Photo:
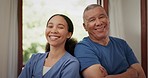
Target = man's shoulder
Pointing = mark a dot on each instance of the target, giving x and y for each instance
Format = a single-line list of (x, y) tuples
[(85, 40), (116, 39), (83, 46), (85, 43)]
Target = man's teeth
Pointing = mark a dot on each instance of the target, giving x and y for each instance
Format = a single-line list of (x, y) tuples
[(99, 28)]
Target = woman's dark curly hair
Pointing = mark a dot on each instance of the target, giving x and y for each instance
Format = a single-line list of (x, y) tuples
[(70, 42)]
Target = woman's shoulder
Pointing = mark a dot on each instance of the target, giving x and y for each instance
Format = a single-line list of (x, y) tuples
[(70, 58), (38, 56)]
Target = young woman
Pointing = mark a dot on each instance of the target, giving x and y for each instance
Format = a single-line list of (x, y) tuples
[(57, 62)]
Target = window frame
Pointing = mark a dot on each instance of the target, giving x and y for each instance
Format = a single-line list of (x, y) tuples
[(20, 50)]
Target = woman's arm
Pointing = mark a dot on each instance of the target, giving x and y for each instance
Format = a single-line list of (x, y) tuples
[(71, 70)]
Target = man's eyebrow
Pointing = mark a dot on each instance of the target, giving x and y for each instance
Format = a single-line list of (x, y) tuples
[(103, 15), (90, 18)]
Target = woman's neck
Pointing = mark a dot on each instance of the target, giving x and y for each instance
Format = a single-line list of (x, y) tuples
[(53, 56), (56, 52)]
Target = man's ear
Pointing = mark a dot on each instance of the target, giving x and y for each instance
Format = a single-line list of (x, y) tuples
[(84, 26)]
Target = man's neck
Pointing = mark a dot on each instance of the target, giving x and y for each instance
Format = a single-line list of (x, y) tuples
[(103, 41)]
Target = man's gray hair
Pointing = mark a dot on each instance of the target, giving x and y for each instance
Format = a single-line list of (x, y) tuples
[(91, 7)]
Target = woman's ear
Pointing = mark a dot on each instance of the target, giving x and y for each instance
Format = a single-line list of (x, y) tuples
[(69, 35)]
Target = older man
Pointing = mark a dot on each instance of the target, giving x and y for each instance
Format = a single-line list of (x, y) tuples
[(103, 56)]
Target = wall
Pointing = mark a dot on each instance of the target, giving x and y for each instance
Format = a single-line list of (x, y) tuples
[(4, 14), (8, 38), (125, 22), (132, 25)]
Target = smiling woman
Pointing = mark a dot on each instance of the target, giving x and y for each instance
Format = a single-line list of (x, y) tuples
[(36, 13), (57, 61)]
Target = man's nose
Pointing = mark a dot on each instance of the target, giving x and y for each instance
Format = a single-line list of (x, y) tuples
[(98, 22)]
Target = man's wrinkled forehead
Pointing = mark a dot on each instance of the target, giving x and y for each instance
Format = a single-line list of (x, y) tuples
[(92, 6), (94, 11)]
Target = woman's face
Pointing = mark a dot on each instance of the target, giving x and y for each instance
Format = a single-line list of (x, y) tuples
[(57, 31)]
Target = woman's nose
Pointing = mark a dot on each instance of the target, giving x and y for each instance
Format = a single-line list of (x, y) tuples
[(54, 30)]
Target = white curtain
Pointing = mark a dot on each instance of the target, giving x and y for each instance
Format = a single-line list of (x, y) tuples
[(115, 15), (13, 40), (8, 38), (125, 22)]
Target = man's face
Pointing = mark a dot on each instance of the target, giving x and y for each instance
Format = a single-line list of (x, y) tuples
[(96, 22)]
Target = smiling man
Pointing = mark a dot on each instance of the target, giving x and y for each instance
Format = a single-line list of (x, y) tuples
[(103, 56)]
